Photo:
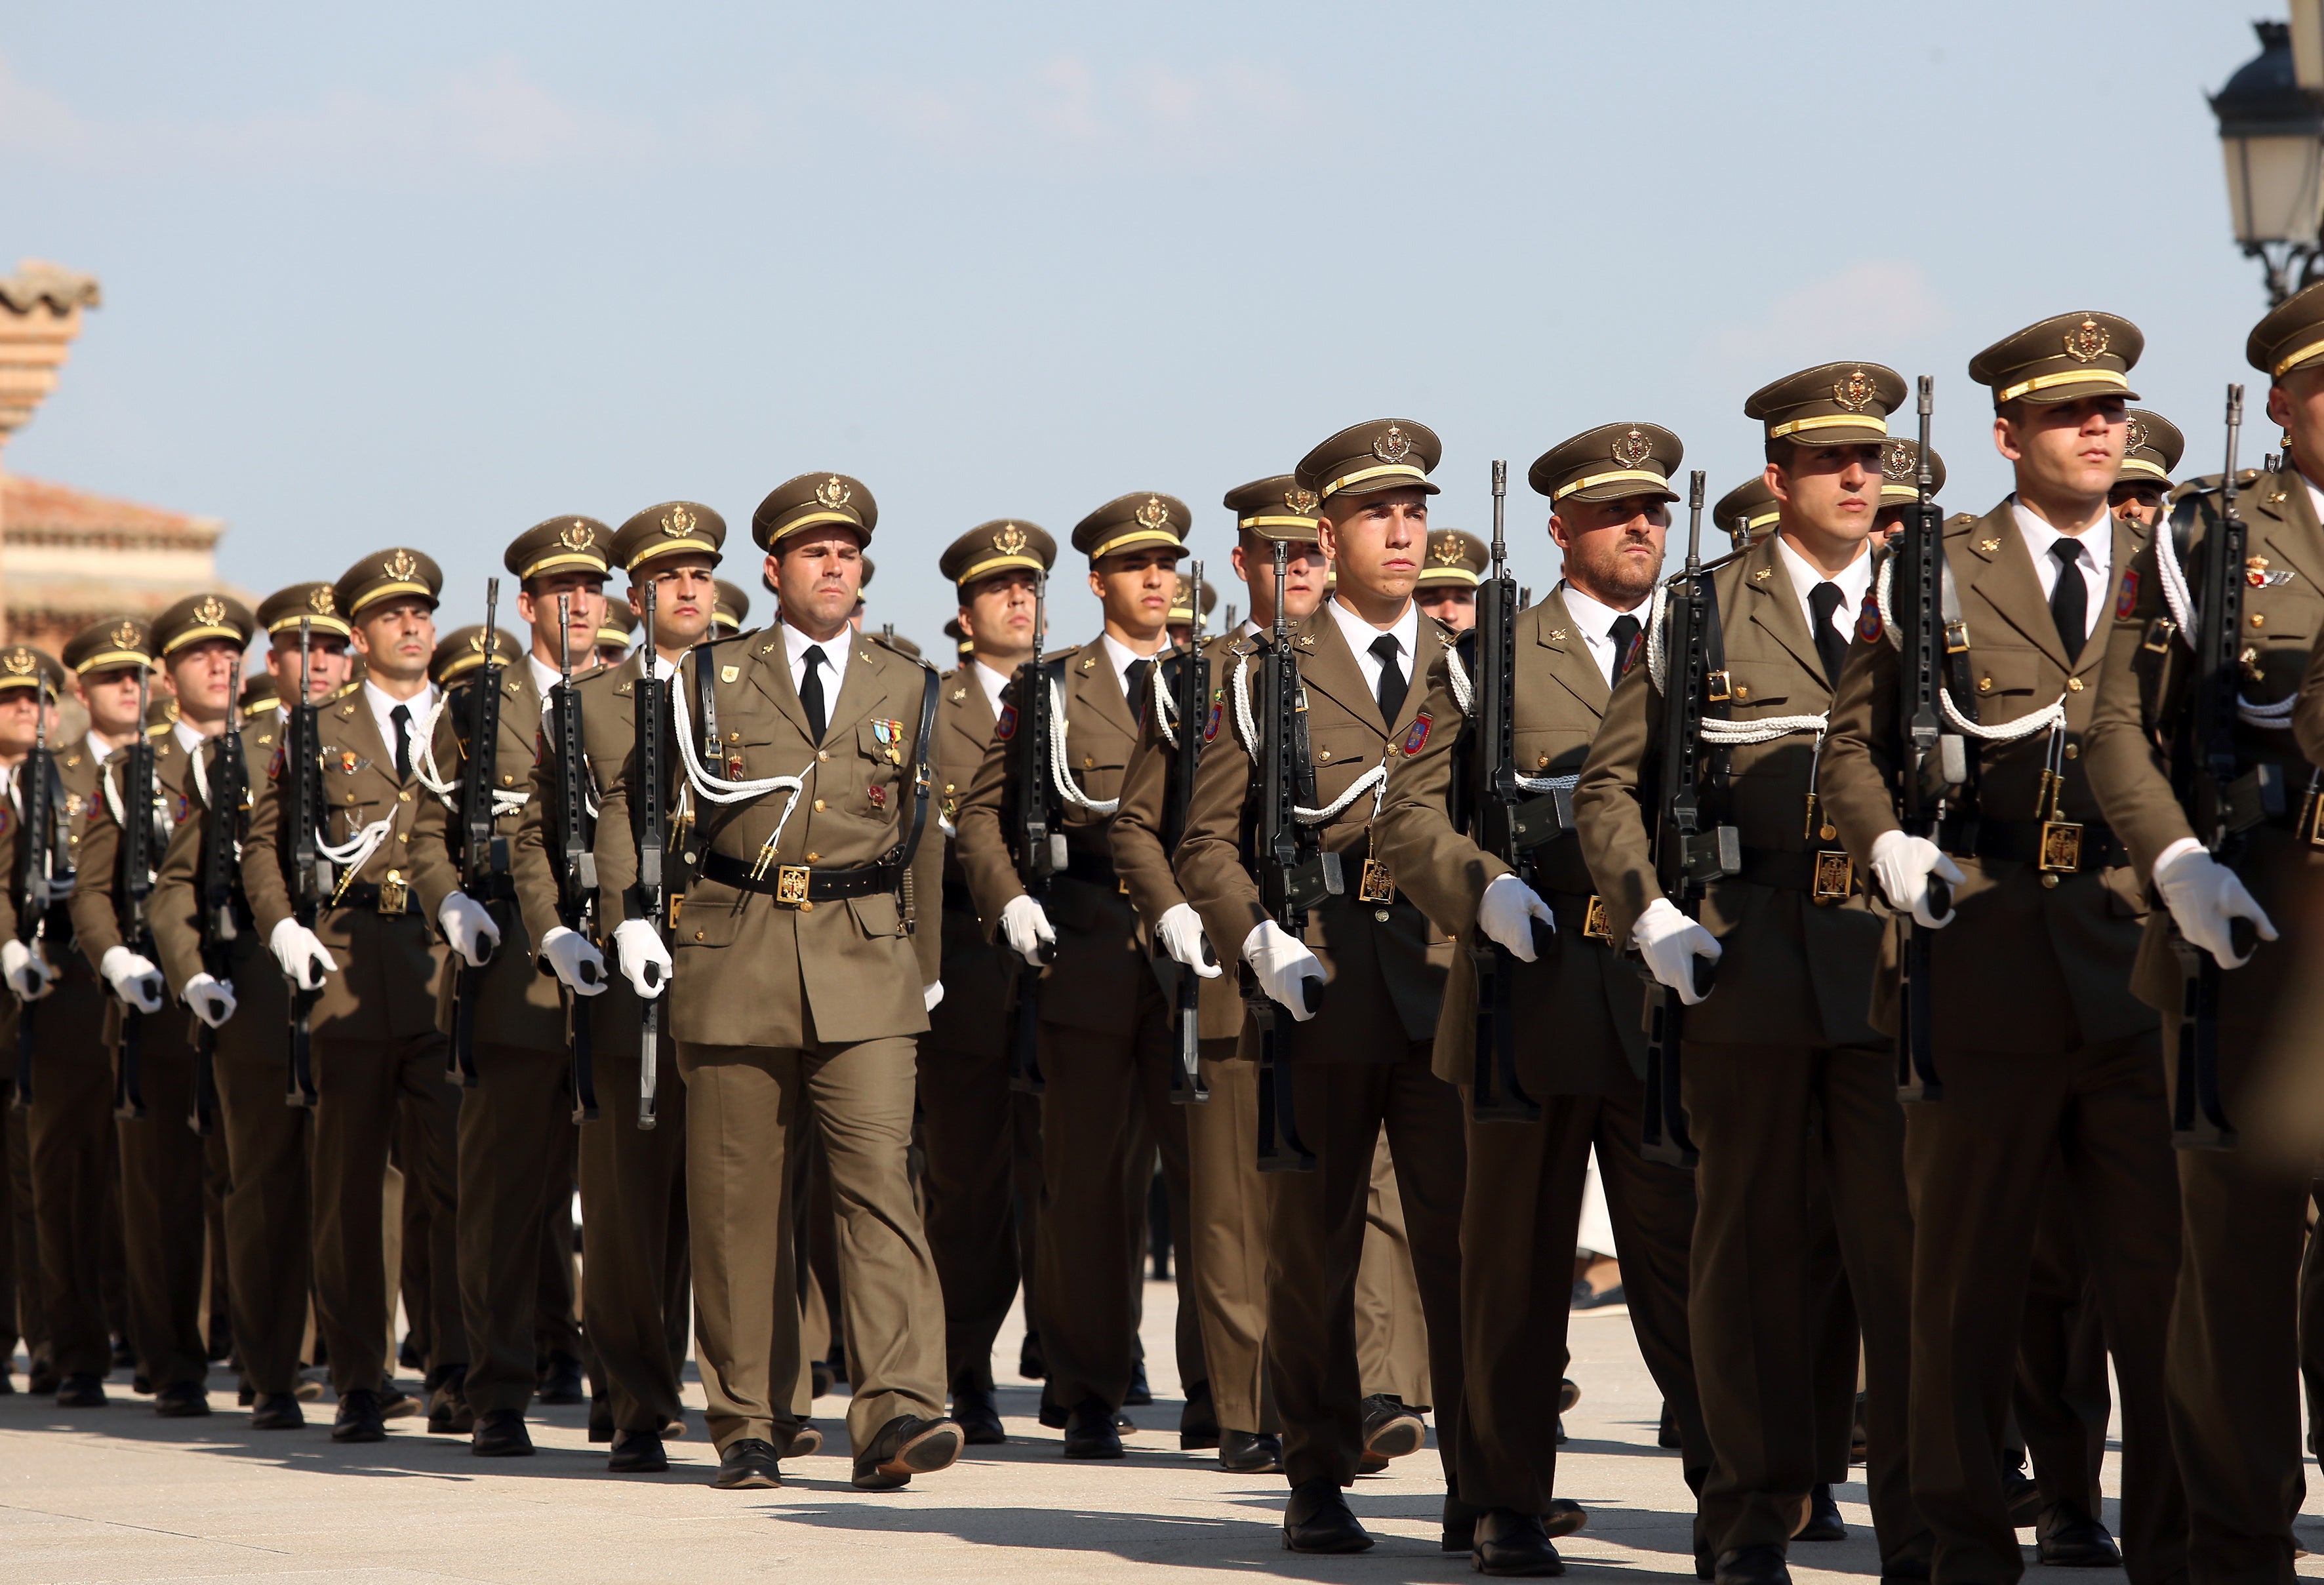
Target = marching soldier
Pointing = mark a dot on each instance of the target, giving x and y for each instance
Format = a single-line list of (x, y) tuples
[(2150, 451), (2233, 1340), (733, 608), (1104, 1025), (983, 1202), (1181, 626), (633, 1179), (1788, 1090), (269, 1258), (1447, 587), (516, 1116), (807, 748), (1361, 1062), (2046, 1066), (616, 631), (1582, 1050), (22, 706), (1900, 489), (375, 966), (1748, 511)]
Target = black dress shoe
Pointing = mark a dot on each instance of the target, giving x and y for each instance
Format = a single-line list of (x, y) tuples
[(1511, 1543), (1317, 1519), (1390, 1430), (244, 1394), (1250, 1453), (500, 1433), (979, 1421), (1568, 1394), (181, 1400), (1667, 1433), (449, 1414), (748, 1465), (1032, 1362), (407, 1353), (42, 1380), (807, 1439), (1460, 1528), (395, 1404), (1089, 1432), (1139, 1395), (1706, 1567), (141, 1384), (601, 1419), (2021, 1494), (357, 1419), (637, 1453), (1752, 1565), (2068, 1538), (277, 1411), (80, 1390), (123, 1356), (1823, 1520), (561, 1383), (1564, 1516), (1198, 1421), (906, 1446)]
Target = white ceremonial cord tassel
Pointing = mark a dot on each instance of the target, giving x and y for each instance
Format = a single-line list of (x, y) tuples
[(350, 855), (1060, 773), (1457, 674), (1165, 708), (1374, 780), (717, 789), (424, 769)]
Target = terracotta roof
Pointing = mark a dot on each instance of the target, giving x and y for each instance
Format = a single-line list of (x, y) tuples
[(36, 281), (32, 507)]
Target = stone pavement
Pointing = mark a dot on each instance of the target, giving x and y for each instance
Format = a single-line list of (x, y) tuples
[(116, 1495)]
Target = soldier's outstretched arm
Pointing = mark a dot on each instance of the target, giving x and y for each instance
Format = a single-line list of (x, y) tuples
[(94, 928), (2127, 770)]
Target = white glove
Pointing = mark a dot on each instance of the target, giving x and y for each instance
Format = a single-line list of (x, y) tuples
[(644, 959), (1506, 911), (1027, 928), (1180, 931), (1670, 942), (468, 927), (304, 958), (211, 999), (579, 966), (2203, 896), (1902, 864), (27, 972), (1281, 961), (930, 995), (133, 978)]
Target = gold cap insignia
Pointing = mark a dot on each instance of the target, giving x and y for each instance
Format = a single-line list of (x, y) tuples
[(832, 493), (1896, 460), (320, 602), (1632, 450), (1009, 541), (2086, 341), (210, 612), (1182, 592), (19, 663), (400, 566), (1154, 515), (478, 643), (1856, 392), (579, 536), (679, 524), (1302, 501), (1447, 551), (1393, 446), (126, 635), (2136, 437)]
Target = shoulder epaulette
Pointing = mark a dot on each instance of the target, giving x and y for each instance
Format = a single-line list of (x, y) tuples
[(1961, 522)]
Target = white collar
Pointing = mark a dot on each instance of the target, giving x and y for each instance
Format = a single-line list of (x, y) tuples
[(1591, 615), (2096, 540), (188, 738), (1361, 635), (1121, 658)]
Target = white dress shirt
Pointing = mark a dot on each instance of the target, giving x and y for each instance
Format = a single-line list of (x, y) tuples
[(1595, 621), (2095, 545), (833, 671), (1854, 579), (383, 706), (1361, 635), (991, 681), (100, 751), (188, 738), (2315, 496), (1122, 657)]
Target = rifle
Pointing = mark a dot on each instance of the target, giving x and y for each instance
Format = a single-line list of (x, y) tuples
[(133, 885), (39, 883), (2222, 804), (1688, 857), (219, 882), (1295, 874), (1495, 1094), (650, 823), (1935, 762), (306, 870), (577, 867), (1039, 847), (1189, 688), (484, 856)]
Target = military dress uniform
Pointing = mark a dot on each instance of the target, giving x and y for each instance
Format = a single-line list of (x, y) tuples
[(982, 1203), (1361, 1063), (634, 1302), (269, 1256), (1582, 1046), (2233, 1346), (1789, 1092), (378, 1055), (1104, 1035)]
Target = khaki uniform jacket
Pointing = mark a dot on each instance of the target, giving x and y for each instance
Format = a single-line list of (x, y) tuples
[(517, 1004), (2145, 692), (1386, 964), (2023, 966), (1100, 955), (95, 926), (175, 908), (752, 972), (972, 1017), (1795, 972), (1137, 837), (390, 969), (77, 770), (1583, 1002)]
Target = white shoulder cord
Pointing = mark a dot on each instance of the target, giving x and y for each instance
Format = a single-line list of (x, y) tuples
[(1465, 697), (114, 806), (1058, 761), (1374, 780), (2052, 717), (2274, 717), (1165, 708), (423, 767), (717, 789), (1760, 729)]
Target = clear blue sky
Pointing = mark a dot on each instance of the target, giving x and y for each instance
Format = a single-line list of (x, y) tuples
[(433, 272)]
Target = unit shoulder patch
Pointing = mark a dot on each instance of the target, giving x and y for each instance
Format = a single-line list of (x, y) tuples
[(1415, 735)]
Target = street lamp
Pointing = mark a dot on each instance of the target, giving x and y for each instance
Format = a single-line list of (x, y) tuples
[(2272, 132)]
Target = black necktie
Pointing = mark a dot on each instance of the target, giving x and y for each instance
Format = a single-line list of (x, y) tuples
[(1133, 685), (402, 716), (2070, 600), (1823, 601), (1625, 634), (1391, 678), (811, 690)]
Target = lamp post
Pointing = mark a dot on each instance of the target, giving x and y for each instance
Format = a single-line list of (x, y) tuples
[(2272, 132)]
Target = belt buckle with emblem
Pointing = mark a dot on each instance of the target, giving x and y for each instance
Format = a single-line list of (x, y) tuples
[(393, 892), (1377, 886), (791, 884), (2062, 848), (1595, 926), (1835, 876), (2312, 818)]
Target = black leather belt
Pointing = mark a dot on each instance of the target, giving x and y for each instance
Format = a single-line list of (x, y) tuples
[(500, 887), (1091, 869), (367, 895), (2048, 844), (1589, 909), (791, 884), (1827, 876)]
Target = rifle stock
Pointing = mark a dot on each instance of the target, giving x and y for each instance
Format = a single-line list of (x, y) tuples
[(217, 881), (576, 865), (1040, 846), (308, 872), (1495, 1094), (1188, 688), (1934, 763), (133, 885), (483, 855)]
